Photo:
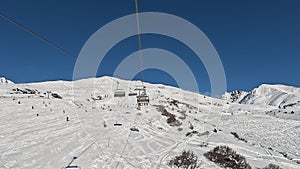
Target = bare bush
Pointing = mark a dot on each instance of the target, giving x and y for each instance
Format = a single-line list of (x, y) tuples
[(227, 158), (186, 160), (272, 166), (172, 121)]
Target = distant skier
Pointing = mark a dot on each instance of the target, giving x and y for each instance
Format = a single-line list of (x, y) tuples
[(67, 119)]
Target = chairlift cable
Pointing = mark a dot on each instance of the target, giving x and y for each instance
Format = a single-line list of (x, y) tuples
[(140, 98), (139, 39), (50, 43)]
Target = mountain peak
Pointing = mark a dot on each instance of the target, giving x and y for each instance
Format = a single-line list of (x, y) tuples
[(267, 94)]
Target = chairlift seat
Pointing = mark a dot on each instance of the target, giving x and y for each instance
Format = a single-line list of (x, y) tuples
[(119, 93), (132, 94), (143, 98)]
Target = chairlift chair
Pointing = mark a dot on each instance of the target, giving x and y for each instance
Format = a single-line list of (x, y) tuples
[(132, 94), (119, 92), (143, 100), (142, 97)]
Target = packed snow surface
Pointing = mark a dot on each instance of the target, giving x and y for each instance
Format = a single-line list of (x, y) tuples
[(45, 125)]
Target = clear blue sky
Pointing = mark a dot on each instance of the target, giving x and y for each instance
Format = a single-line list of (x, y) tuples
[(258, 41)]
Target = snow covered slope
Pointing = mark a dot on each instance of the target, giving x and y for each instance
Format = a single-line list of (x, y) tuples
[(5, 81), (45, 125), (273, 95), (235, 97)]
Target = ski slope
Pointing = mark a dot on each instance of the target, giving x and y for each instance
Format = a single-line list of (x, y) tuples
[(35, 133)]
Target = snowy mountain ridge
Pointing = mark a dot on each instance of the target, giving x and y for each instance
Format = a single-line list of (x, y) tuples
[(47, 125), (281, 96), (3, 80)]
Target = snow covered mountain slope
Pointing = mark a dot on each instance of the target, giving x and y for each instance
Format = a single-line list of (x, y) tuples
[(45, 125), (5, 81), (273, 95), (235, 97)]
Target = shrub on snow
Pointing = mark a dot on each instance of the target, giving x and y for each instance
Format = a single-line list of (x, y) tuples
[(227, 158)]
